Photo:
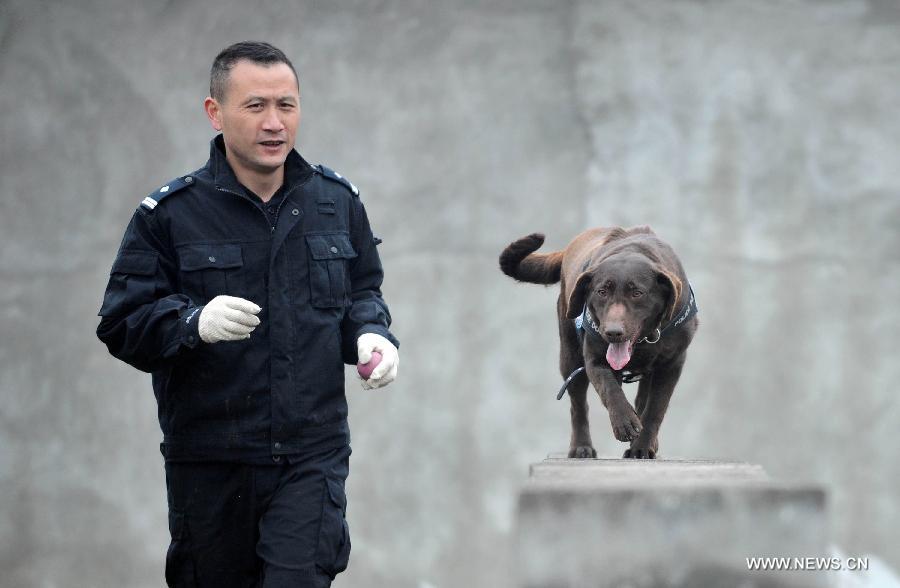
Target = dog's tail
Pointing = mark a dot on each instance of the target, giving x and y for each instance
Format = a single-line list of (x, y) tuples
[(519, 261)]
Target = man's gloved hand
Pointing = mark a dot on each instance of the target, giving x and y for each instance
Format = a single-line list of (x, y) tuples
[(385, 372), (227, 318)]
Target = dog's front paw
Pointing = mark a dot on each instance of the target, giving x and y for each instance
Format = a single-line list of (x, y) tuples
[(625, 424), (582, 452), (639, 453), (642, 448)]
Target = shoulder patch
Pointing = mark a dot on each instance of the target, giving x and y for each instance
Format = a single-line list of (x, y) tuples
[(151, 201), (336, 177)]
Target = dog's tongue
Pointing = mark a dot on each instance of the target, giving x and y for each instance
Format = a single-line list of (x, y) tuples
[(618, 354)]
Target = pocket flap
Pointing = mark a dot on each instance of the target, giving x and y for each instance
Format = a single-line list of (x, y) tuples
[(331, 246), (199, 257), (138, 263), (336, 493)]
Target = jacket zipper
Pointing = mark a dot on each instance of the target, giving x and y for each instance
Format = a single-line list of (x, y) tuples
[(242, 197), (277, 210)]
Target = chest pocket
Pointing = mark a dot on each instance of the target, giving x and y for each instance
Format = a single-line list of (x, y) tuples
[(210, 270), (329, 280)]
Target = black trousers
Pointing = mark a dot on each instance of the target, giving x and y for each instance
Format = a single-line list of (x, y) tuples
[(264, 526)]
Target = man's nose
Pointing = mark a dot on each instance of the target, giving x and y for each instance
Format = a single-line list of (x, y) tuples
[(272, 122)]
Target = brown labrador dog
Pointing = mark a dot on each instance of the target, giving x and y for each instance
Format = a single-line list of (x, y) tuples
[(626, 312)]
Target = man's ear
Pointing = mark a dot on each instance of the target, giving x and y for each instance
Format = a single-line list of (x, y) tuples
[(577, 295), (672, 285), (213, 112)]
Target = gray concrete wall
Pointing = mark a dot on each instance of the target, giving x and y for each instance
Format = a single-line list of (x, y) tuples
[(759, 138)]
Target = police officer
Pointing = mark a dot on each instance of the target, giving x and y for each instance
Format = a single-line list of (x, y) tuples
[(244, 287)]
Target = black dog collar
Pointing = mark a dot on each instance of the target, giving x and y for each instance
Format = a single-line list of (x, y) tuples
[(690, 309), (687, 311)]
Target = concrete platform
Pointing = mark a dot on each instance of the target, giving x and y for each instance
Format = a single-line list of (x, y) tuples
[(654, 523), (559, 470)]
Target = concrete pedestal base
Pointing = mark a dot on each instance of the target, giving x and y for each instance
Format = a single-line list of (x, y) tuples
[(663, 523)]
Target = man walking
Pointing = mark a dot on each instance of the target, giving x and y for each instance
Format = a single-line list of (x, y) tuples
[(244, 287)]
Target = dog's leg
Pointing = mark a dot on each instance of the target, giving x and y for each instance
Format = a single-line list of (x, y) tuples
[(625, 423), (640, 400), (637, 449), (657, 392), (570, 359), (580, 444)]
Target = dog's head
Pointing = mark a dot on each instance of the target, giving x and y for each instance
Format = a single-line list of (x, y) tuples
[(629, 296)]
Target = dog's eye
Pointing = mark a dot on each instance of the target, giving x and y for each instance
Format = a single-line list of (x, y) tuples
[(602, 291), (636, 294)]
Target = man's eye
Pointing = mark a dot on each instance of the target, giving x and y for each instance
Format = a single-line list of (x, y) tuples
[(256, 106)]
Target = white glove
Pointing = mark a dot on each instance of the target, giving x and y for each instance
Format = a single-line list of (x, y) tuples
[(385, 372), (227, 318)]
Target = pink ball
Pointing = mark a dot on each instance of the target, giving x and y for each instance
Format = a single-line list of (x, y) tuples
[(365, 369)]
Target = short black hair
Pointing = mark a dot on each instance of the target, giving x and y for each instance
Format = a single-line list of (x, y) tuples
[(255, 51)]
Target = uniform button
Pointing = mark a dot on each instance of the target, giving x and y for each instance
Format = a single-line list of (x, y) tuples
[(271, 210), (277, 445), (212, 259), (334, 250), (295, 212), (188, 179), (191, 339)]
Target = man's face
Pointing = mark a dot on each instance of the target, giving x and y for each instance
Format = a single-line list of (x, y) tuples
[(258, 116)]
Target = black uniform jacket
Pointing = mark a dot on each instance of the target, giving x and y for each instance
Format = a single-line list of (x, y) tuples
[(315, 273)]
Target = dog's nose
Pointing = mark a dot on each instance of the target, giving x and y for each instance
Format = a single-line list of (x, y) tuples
[(614, 333)]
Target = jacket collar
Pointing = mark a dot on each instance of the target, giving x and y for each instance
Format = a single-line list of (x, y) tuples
[(296, 169)]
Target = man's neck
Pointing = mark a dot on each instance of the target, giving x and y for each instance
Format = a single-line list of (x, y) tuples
[(263, 185)]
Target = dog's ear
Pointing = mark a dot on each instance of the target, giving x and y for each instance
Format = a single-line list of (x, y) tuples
[(577, 295), (672, 285)]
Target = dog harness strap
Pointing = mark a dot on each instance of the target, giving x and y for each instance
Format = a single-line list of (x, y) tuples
[(627, 377), (690, 309), (631, 377), (586, 319)]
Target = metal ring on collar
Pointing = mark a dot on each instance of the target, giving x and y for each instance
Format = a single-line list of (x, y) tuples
[(646, 340)]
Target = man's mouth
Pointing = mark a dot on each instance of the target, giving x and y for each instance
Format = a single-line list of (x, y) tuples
[(271, 143)]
